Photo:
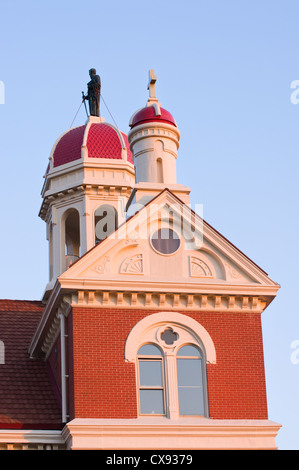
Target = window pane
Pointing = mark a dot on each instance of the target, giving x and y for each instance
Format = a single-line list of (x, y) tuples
[(151, 402), (189, 350), (190, 386), (149, 350), (191, 401), (166, 241), (189, 372), (150, 373)]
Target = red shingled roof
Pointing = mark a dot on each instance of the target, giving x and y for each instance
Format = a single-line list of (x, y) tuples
[(149, 114), (27, 397), (68, 149), (103, 141)]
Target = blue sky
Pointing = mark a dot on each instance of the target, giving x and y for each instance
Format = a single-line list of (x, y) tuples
[(224, 71)]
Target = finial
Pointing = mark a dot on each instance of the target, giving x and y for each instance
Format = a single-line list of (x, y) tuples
[(151, 86)]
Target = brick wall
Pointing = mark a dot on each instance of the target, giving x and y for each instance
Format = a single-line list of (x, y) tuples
[(104, 384)]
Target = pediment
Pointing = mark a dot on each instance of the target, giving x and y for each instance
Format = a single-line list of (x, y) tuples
[(198, 260)]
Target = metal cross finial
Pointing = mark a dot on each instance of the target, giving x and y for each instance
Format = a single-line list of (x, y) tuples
[(151, 84)]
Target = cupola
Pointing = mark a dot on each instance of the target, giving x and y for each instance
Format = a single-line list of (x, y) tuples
[(89, 179), (154, 142)]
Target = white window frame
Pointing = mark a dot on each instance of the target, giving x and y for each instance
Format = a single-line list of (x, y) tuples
[(200, 357), (148, 357), (189, 331)]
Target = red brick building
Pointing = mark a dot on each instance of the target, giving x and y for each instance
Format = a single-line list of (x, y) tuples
[(149, 332)]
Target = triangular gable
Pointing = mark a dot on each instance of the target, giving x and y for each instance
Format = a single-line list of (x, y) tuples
[(204, 261)]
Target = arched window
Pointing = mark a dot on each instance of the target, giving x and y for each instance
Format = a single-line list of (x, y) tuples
[(159, 152), (170, 351), (190, 381), (160, 178), (151, 380), (72, 237), (105, 221)]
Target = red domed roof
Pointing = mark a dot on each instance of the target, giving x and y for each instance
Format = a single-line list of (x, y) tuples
[(151, 114), (102, 141)]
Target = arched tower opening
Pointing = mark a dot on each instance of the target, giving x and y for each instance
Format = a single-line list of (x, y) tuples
[(72, 237)]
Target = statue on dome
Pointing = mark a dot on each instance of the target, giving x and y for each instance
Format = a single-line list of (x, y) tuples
[(93, 93)]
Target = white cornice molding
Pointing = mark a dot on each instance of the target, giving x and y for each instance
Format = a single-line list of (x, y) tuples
[(141, 131), (90, 162), (171, 288), (121, 188), (168, 301), (162, 433)]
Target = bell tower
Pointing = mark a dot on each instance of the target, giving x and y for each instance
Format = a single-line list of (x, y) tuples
[(87, 184), (154, 141)]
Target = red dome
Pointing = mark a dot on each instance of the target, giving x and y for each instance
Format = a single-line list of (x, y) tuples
[(103, 141), (150, 114)]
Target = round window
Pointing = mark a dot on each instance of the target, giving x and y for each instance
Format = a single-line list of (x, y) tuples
[(166, 241)]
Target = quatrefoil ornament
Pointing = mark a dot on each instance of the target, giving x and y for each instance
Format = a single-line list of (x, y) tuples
[(169, 336)]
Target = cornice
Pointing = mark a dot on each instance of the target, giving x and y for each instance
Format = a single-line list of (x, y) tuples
[(160, 129), (163, 433), (171, 288), (88, 162), (80, 190), (63, 299), (168, 301)]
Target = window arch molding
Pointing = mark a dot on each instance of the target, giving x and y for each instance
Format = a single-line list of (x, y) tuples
[(150, 328), (170, 332)]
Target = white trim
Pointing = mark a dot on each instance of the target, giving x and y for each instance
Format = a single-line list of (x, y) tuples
[(133, 115), (63, 368), (188, 331), (12, 436), (162, 433), (156, 320), (138, 132), (195, 288), (180, 238), (149, 433)]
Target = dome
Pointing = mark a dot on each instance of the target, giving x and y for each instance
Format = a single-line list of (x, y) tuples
[(152, 113), (101, 140)]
